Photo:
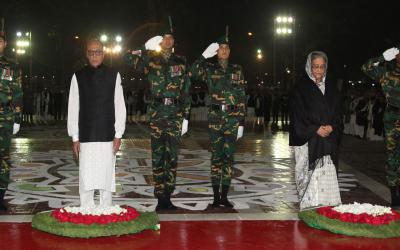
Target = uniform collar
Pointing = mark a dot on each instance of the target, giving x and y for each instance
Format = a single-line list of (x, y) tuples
[(166, 55), (219, 67)]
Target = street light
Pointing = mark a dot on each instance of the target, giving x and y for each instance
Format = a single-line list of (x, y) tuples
[(24, 41), (20, 51), (284, 27), (103, 38), (117, 49), (259, 54), (284, 19), (283, 31), (111, 46)]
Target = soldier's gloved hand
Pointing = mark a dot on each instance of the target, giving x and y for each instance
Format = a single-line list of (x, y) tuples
[(153, 42), (16, 128), (240, 132), (211, 50), (185, 125), (390, 54)]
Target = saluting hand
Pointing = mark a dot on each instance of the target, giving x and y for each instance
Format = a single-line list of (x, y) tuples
[(390, 54), (211, 50), (153, 42)]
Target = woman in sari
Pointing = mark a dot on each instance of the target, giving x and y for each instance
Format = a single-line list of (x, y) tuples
[(315, 120)]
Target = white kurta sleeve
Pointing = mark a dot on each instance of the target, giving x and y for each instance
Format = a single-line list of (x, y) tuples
[(73, 110), (120, 110)]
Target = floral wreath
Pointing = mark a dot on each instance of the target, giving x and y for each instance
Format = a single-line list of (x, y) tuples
[(95, 222), (365, 220)]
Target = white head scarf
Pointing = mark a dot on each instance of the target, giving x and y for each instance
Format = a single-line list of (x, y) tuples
[(311, 57)]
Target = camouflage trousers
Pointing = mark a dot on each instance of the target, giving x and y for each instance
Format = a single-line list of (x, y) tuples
[(5, 141), (392, 143), (223, 145), (164, 153)]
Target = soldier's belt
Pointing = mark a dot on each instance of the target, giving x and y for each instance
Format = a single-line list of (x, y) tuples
[(166, 101), (224, 107), (392, 108)]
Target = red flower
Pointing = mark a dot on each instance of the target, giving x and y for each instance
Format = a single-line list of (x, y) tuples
[(358, 218), (79, 218)]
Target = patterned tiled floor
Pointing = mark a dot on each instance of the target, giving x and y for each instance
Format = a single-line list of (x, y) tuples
[(46, 175)]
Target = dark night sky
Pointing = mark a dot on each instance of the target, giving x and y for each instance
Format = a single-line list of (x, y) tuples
[(349, 31)]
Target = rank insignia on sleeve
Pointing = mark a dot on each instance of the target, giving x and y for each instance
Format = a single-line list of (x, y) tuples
[(235, 77)]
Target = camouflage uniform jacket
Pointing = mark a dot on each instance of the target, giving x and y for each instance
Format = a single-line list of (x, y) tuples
[(10, 92)]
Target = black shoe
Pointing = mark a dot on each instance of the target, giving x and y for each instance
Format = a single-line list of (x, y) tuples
[(224, 197), (395, 195), (226, 203), (169, 204), (217, 197), (3, 207), (161, 204)]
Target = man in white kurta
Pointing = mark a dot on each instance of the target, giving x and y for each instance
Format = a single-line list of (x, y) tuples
[(96, 123)]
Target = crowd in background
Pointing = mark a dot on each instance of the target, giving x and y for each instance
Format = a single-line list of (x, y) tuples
[(363, 114), (362, 110)]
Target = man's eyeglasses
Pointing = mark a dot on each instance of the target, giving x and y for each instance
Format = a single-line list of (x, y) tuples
[(95, 52), (323, 66)]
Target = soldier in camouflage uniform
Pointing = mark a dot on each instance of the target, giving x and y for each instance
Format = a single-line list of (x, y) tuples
[(167, 74), (389, 79), (226, 87), (10, 113)]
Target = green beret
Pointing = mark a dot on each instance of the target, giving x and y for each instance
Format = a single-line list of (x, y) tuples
[(166, 30), (223, 40)]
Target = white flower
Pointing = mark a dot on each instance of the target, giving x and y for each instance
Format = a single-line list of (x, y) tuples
[(357, 208), (116, 209)]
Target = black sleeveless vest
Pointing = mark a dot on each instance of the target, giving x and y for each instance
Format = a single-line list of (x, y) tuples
[(96, 103)]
